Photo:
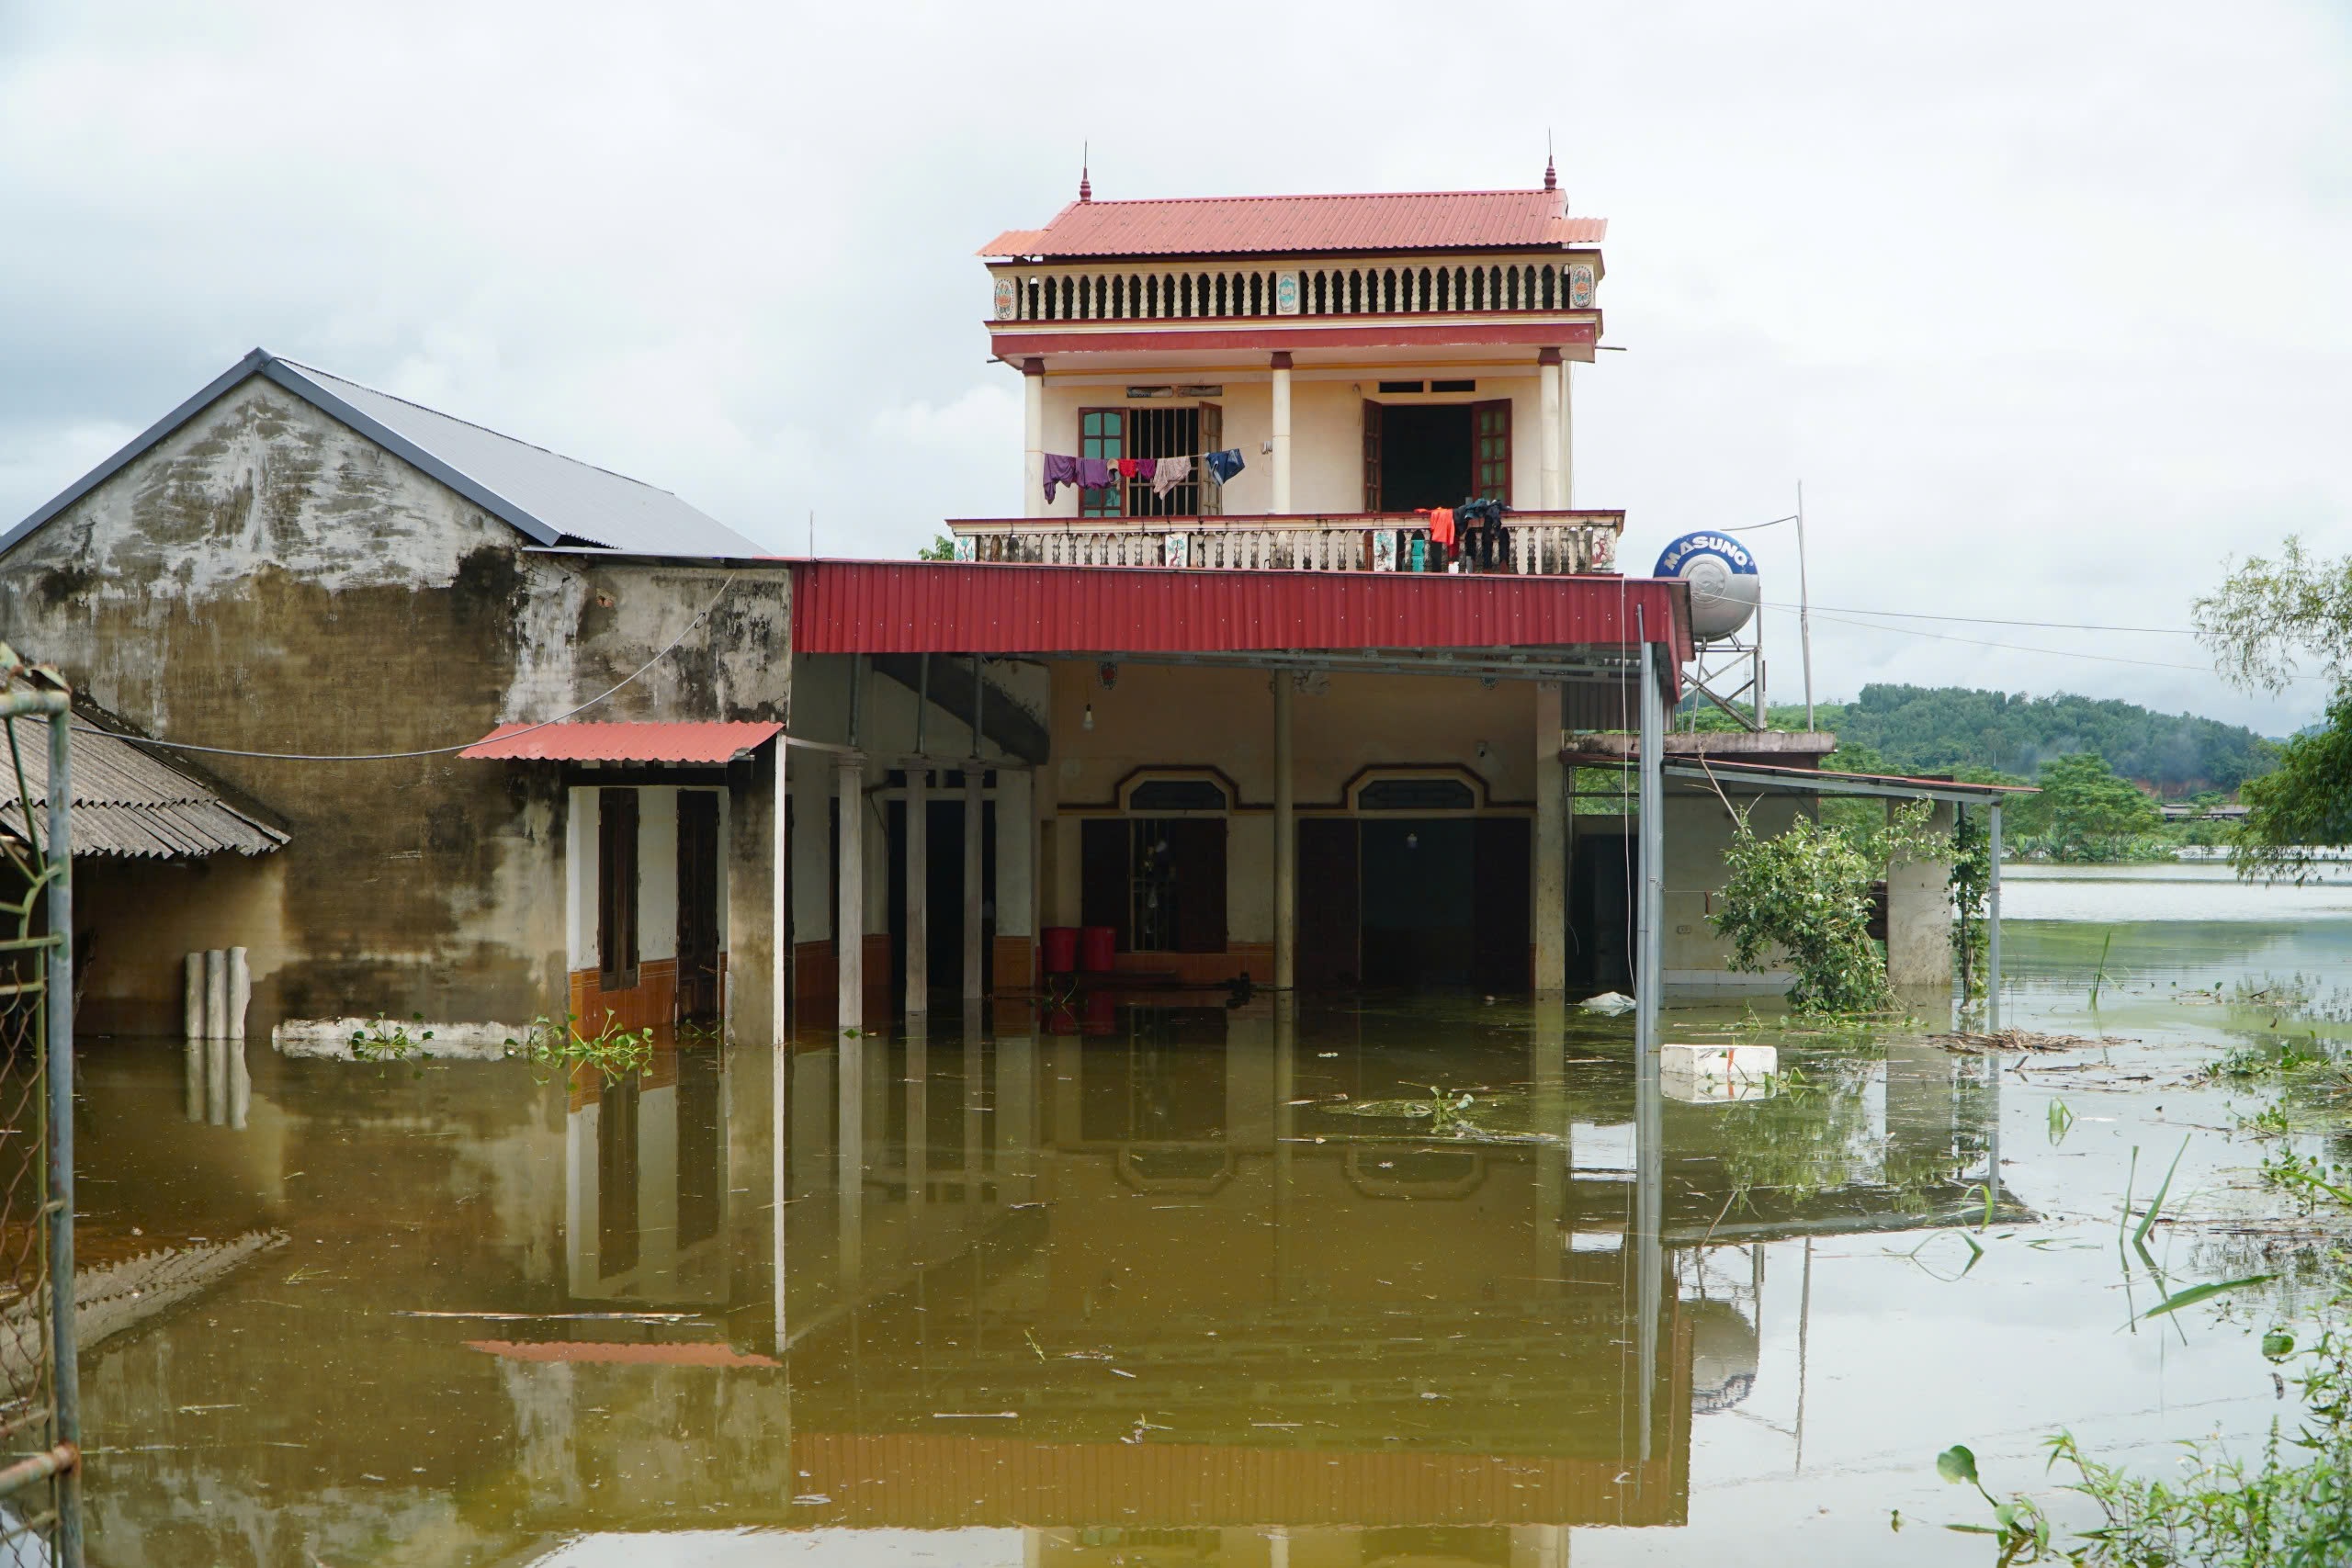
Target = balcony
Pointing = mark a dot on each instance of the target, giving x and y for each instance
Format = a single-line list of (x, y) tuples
[(1390, 285), (1541, 544)]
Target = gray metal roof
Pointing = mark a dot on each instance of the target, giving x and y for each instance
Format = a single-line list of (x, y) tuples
[(125, 801), (553, 499)]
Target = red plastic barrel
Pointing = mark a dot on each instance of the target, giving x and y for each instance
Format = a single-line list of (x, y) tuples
[(1096, 946), (1061, 949), (1102, 1013)]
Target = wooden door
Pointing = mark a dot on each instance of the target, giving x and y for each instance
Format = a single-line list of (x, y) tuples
[(1501, 897), (1371, 456), (1211, 440), (1102, 874), (1329, 904), (617, 889), (1196, 848), (697, 904), (1490, 449)]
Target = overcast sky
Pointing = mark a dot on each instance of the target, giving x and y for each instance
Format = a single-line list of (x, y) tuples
[(2046, 305)]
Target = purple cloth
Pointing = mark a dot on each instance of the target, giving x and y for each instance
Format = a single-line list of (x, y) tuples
[(1059, 471), (1097, 473)]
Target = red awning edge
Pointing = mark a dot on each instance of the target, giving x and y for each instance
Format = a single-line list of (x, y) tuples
[(710, 741)]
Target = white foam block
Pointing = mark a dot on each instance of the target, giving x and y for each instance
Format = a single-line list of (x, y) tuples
[(1738, 1063)]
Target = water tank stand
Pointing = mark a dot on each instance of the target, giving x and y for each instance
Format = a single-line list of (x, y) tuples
[(1730, 674)]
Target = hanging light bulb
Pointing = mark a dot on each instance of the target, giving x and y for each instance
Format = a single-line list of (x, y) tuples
[(1088, 722), (1412, 841)]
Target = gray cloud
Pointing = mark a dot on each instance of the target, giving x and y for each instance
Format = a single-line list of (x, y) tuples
[(2039, 301)]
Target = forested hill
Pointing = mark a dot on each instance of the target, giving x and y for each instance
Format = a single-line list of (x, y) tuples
[(1937, 728)]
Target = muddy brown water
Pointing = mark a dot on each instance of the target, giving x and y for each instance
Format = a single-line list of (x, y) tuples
[(1160, 1292)]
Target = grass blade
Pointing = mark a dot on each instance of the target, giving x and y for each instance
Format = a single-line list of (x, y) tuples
[(2156, 1204), (2195, 1294)]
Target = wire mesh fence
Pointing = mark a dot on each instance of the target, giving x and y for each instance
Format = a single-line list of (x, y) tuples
[(40, 1418)]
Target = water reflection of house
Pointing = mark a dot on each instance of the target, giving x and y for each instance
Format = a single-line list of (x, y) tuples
[(646, 1185)]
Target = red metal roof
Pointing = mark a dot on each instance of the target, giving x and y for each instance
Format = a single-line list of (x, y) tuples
[(1408, 220), (710, 740), (968, 607)]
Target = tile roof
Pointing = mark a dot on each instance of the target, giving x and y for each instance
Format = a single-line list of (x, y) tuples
[(553, 499), (128, 802), (1410, 220), (702, 741)]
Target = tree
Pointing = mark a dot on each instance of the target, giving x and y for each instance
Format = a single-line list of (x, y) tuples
[(941, 549), (2266, 620), (2093, 815)]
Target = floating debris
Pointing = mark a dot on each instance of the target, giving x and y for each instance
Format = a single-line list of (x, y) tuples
[(1965, 1043), (1609, 1004)]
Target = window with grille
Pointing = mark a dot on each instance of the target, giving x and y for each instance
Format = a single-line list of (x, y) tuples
[(1113, 433), (1417, 794)]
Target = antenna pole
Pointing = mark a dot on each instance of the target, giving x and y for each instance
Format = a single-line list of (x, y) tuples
[(1804, 610), (813, 532)]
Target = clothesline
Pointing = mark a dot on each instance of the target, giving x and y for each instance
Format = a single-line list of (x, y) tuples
[(1163, 474)]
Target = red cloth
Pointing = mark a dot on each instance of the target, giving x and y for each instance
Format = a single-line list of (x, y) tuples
[(1441, 524), (1131, 469)]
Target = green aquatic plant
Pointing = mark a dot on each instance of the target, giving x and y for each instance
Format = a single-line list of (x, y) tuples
[(381, 1041), (2100, 980), (2022, 1528), (557, 1047)]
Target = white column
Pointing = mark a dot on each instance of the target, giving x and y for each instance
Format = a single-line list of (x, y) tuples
[(1549, 374), (1285, 843), (849, 919), (918, 891), (973, 892), (1280, 503), (1551, 889), (779, 921), (1016, 880), (1568, 435), (1033, 461)]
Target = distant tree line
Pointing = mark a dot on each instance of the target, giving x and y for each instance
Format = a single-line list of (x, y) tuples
[(1938, 730)]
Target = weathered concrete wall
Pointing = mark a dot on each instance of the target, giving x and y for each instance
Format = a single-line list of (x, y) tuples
[(1918, 917), (266, 579)]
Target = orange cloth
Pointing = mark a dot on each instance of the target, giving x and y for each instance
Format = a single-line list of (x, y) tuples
[(1441, 524)]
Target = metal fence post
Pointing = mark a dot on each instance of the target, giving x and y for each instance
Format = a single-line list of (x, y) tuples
[(64, 1345)]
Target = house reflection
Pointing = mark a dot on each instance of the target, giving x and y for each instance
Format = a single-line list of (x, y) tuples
[(645, 1184)]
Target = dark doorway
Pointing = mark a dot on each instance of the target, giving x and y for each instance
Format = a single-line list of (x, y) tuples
[(1501, 869), (1426, 455), (1601, 913), (1419, 899), (1158, 881), (1329, 904), (945, 890), (698, 905)]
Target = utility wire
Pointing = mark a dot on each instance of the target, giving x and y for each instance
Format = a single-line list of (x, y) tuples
[(2012, 647), (430, 751)]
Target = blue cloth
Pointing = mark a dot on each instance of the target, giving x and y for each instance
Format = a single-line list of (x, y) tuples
[(1224, 464)]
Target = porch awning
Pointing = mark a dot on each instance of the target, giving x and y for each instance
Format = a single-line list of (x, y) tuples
[(1822, 780), (712, 742), (128, 802)]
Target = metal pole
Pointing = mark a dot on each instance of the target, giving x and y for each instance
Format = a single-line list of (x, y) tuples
[(1286, 841), (65, 1369), (1804, 610), (1993, 923), (975, 775), (1649, 1092)]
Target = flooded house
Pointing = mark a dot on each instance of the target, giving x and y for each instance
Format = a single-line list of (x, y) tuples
[(320, 594)]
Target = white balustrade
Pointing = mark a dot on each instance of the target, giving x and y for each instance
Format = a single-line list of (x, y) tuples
[(1551, 281), (1541, 544)]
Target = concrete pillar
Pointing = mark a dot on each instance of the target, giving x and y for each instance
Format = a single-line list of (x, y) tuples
[(917, 1141), (192, 999), (1549, 374), (241, 992), (1032, 443), (1918, 916), (974, 892), (1551, 869), (779, 919), (1285, 843), (216, 995), (918, 892), (849, 918), (1993, 922), (1568, 435), (1280, 442), (1016, 885)]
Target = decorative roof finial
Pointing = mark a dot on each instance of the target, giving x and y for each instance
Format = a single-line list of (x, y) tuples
[(1085, 185), (1550, 176)]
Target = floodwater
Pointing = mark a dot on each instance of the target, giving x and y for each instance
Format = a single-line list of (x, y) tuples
[(1187, 1285)]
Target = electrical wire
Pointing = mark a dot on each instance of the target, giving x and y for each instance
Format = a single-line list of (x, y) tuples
[(2013, 646), (431, 750)]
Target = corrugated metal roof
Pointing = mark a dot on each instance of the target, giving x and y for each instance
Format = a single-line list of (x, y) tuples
[(706, 741), (127, 802), (1287, 225), (552, 498), (968, 607)]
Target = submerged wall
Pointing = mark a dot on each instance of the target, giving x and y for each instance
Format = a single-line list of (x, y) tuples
[(266, 579)]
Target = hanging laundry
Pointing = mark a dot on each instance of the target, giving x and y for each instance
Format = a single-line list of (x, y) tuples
[(1138, 467), (1059, 471), (1171, 472), (1441, 524), (1224, 464), (1095, 473)]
